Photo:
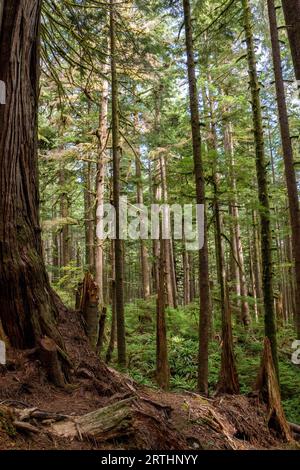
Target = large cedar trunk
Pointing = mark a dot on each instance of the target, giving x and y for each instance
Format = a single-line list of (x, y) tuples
[(28, 309)]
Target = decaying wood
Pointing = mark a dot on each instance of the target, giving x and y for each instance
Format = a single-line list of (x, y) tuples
[(38, 415), (101, 334), (78, 295), (49, 359), (269, 393), (89, 308), (26, 427), (113, 421), (294, 427)]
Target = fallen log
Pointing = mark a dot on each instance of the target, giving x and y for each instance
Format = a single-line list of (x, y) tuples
[(294, 427), (110, 422)]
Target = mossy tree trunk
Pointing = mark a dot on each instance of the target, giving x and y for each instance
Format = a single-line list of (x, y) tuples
[(262, 182)]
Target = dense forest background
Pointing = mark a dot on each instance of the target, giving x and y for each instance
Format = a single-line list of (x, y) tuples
[(156, 164), (164, 102)]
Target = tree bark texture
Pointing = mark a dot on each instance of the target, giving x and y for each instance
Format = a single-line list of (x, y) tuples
[(204, 322), (262, 181), (28, 307)]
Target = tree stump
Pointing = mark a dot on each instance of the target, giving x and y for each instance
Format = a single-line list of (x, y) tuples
[(50, 361), (269, 393)]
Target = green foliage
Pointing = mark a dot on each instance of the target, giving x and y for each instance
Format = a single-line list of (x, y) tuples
[(183, 350), (66, 284)]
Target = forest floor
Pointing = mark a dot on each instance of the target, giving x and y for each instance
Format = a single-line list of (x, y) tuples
[(154, 419), (182, 327)]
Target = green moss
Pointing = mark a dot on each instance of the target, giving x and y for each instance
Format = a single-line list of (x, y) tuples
[(6, 423)]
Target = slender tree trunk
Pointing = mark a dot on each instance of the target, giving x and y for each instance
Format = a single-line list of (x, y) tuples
[(291, 10), (169, 264), (263, 193), (288, 157), (55, 249), (204, 322), (113, 327), (237, 245), (65, 246), (252, 275), (234, 267), (162, 363), (55, 258), (228, 381), (257, 257), (186, 275), (28, 306), (143, 248), (155, 243), (89, 219), (119, 259), (192, 277), (100, 184)]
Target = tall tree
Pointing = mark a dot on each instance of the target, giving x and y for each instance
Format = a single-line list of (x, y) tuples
[(288, 157), (143, 247), (162, 363), (291, 10), (119, 259), (262, 182), (204, 322), (228, 381), (102, 135), (28, 305)]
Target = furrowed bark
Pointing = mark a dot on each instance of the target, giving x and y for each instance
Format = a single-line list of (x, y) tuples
[(29, 307)]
